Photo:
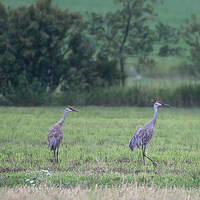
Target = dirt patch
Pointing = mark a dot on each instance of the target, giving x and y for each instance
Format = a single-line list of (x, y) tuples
[(124, 171), (161, 149), (124, 160), (175, 171), (187, 162), (11, 170), (108, 171), (75, 164)]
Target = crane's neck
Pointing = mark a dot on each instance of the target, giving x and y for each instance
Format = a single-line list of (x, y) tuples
[(63, 118), (155, 115)]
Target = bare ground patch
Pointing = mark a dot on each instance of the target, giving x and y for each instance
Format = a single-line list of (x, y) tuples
[(11, 170)]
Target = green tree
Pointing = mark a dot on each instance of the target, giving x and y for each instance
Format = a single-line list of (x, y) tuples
[(86, 70), (125, 31), (33, 46), (191, 35), (168, 38)]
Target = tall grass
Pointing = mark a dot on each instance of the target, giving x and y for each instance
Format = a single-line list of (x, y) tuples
[(126, 192), (138, 93), (141, 93)]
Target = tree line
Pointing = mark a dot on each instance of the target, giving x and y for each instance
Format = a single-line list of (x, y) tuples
[(43, 47)]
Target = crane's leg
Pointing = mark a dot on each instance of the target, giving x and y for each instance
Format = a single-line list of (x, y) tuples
[(57, 156), (54, 154), (144, 155)]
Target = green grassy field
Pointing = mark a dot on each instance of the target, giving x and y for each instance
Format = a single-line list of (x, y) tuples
[(95, 147)]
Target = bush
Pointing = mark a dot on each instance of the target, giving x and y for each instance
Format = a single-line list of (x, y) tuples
[(84, 71), (140, 94), (192, 37), (32, 48)]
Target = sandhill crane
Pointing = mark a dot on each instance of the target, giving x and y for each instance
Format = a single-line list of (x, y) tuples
[(143, 135), (55, 134)]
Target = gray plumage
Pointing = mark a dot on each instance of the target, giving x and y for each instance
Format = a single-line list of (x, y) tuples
[(142, 136), (55, 134)]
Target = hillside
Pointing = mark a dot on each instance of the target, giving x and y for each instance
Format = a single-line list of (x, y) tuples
[(173, 12)]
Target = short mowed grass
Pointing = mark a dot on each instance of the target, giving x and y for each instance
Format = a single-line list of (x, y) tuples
[(95, 148)]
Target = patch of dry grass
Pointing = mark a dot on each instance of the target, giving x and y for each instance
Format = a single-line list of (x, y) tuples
[(125, 192)]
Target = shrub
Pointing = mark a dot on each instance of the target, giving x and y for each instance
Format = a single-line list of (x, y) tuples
[(140, 94), (84, 71), (192, 37), (32, 48)]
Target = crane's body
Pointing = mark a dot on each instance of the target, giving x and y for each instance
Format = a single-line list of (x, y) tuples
[(142, 136), (55, 134)]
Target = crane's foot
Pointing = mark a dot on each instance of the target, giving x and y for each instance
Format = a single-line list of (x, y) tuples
[(155, 164), (53, 160)]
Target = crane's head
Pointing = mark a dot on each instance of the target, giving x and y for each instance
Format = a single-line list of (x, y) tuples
[(70, 109), (160, 104)]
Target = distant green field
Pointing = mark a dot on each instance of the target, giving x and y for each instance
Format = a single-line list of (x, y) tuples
[(173, 12), (73, 5), (95, 147)]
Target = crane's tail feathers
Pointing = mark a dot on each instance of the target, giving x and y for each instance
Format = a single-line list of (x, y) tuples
[(52, 147), (132, 144), (53, 144)]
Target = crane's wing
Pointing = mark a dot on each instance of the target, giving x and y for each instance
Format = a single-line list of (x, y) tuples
[(135, 140), (141, 137), (55, 136)]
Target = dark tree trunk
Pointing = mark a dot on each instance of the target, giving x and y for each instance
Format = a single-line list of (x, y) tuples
[(121, 49), (122, 73)]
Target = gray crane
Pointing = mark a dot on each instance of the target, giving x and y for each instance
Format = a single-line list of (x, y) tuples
[(143, 135), (55, 134)]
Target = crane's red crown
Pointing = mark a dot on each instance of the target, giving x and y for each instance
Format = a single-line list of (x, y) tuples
[(158, 101), (70, 107)]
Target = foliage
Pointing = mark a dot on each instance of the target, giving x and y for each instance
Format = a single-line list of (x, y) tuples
[(85, 71), (125, 31), (32, 48), (169, 38), (42, 48), (140, 93), (192, 39), (146, 66)]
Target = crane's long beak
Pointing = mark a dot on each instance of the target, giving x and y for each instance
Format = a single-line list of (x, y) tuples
[(166, 105), (74, 110)]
